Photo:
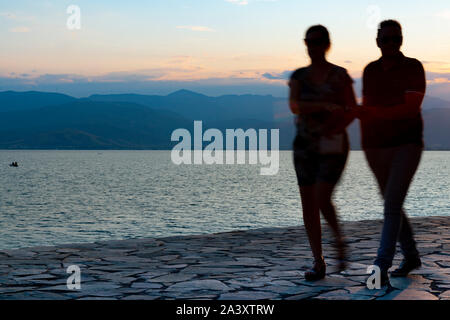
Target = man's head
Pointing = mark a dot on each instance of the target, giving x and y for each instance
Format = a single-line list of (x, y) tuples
[(389, 38)]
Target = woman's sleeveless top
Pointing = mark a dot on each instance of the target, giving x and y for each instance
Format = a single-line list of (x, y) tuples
[(310, 126)]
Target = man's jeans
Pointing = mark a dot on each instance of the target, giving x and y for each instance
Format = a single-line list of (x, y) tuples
[(394, 169)]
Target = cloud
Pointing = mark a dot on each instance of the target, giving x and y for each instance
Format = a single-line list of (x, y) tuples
[(443, 14), (8, 15), (162, 81), (140, 82), (19, 18), (20, 30), (277, 76), (438, 77), (441, 80), (245, 2), (196, 28), (144, 75), (433, 62), (125, 76), (238, 2), (433, 75)]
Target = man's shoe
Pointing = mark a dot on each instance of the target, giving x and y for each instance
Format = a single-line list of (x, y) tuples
[(406, 267), (384, 279)]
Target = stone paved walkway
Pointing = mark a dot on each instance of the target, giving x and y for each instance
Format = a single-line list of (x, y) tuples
[(257, 264)]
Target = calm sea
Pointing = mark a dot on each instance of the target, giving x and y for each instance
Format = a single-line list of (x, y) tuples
[(56, 197)]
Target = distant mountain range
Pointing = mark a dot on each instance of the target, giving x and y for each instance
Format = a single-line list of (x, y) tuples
[(40, 120)]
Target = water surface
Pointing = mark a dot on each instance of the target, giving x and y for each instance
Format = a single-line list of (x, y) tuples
[(59, 197)]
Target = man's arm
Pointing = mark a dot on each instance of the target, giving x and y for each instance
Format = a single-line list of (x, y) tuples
[(294, 95), (410, 109), (413, 100)]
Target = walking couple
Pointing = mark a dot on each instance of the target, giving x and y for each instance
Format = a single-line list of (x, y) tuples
[(323, 100)]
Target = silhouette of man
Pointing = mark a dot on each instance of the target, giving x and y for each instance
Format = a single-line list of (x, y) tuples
[(392, 140)]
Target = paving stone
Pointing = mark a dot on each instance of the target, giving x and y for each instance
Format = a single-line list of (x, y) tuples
[(194, 295), (40, 276), (248, 295), (28, 271), (445, 295), (284, 290), (211, 270), (4, 290), (119, 280), (97, 298), (45, 282), (304, 295), (286, 273), (442, 285), (408, 294), (249, 283), (173, 277), (140, 297), (267, 263), (364, 291), (49, 296), (86, 288), (355, 272), (19, 296), (168, 258), (127, 291), (282, 283), (199, 284), (145, 285), (330, 282), (173, 266), (7, 281), (335, 295), (152, 274), (410, 282), (443, 264)]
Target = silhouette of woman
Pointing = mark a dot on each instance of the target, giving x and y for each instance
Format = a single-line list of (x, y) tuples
[(322, 98)]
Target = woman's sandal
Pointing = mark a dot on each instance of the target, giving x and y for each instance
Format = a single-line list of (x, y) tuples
[(317, 272)]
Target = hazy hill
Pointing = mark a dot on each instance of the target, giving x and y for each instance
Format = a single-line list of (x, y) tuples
[(13, 101), (146, 121), (434, 103), (87, 124), (197, 106), (437, 129)]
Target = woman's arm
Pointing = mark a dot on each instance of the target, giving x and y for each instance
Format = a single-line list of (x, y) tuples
[(299, 106), (351, 106), (340, 120)]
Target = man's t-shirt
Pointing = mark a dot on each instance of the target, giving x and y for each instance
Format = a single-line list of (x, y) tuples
[(386, 88)]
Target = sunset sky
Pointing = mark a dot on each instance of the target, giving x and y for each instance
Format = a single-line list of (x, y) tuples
[(210, 46)]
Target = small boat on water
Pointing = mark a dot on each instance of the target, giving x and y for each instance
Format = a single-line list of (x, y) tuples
[(14, 164)]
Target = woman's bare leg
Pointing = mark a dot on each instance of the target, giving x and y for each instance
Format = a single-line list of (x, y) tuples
[(311, 219), (324, 190)]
